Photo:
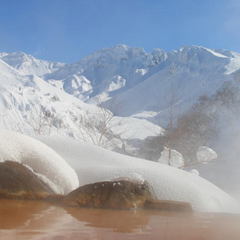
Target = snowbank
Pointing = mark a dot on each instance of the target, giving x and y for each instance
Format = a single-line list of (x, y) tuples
[(95, 164), (176, 159), (40, 158)]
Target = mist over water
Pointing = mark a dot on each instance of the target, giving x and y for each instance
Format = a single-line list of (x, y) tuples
[(224, 171)]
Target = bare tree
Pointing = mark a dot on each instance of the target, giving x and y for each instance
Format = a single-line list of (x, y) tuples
[(41, 120), (172, 115), (96, 127)]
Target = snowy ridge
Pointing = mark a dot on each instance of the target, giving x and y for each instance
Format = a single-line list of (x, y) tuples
[(27, 64), (109, 70), (181, 79), (234, 64)]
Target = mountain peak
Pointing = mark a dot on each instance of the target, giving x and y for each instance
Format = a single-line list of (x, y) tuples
[(27, 64), (122, 46), (201, 49)]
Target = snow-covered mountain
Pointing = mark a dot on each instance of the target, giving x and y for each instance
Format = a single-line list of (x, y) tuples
[(104, 72), (32, 105), (177, 82), (132, 82), (140, 88)]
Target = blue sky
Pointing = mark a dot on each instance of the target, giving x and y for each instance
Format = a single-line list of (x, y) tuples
[(66, 30)]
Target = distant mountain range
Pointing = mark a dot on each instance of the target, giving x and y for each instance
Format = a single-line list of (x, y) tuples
[(140, 88)]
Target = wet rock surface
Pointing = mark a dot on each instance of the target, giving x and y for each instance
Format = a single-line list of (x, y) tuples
[(122, 194)]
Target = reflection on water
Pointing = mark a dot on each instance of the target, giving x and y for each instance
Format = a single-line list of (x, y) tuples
[(36, 220), (115, 220)]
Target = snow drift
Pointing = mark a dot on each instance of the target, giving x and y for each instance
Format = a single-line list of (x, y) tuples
[(94, 164), (40, 158)]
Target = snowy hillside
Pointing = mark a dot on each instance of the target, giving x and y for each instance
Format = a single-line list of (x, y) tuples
[(25, 99), (31, 105)]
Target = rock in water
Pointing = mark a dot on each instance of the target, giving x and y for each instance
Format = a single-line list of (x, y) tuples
[(121, 194), (19, 182)]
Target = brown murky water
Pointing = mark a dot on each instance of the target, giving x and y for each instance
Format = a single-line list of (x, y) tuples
[(23, 220)]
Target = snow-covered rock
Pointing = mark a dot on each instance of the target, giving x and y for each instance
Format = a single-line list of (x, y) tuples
[(206, 154), (44, 161), (171, 157), (94, 164), (194, 171)]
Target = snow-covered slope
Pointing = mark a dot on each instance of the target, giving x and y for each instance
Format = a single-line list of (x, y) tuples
[(23, 97), (25, 100), (31, 105), (95, 164), (40, 158)]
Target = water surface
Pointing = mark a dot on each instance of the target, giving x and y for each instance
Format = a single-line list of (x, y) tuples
[(25, 220)]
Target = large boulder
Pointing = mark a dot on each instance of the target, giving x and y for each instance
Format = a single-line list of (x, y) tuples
[(120, 194), (20, 182)]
